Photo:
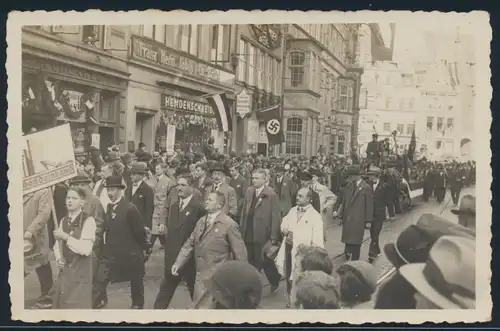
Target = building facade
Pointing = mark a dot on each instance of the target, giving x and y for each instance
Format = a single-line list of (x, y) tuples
[(321, 84), (69, 76)]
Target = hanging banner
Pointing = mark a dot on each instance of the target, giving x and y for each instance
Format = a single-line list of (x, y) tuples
[(170, 138), (44, 165), (218, 137), (96, 140)]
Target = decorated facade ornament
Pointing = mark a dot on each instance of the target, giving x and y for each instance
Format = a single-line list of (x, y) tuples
[(268, 35)]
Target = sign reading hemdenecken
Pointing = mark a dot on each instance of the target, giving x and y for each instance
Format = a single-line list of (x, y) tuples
[(177, 103), (43, 164), (164, 56)]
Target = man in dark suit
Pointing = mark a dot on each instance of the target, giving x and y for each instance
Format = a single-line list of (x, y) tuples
[(374, 151), (440, 183), (355, 211), (285, 189), (181, 221), (142, 195), (202, 180), (379, 215), (260, 226), (125, 243), (240, 185)]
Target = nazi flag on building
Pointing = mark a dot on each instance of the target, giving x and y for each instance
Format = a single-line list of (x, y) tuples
[(274, 128)]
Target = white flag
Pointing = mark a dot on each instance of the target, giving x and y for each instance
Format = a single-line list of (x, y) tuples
[(30, 92), (89, 104)]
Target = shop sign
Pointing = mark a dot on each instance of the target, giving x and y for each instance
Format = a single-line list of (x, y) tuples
[(171, 129), (166, 57), (96, 140), (243, 103), (59, 68), (177, 103)]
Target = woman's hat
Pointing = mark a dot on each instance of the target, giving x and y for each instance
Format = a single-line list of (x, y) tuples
[(448, 278), (217, 167), (114, 181), (128, 157)]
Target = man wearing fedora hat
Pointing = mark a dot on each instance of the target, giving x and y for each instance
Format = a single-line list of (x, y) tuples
[(447, 280), (125, 243), (467, 212), (356, 209), (218, 173)]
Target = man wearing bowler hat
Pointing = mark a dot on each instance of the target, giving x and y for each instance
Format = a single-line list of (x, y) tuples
[(125, 243), (356, 209), (142, 195)]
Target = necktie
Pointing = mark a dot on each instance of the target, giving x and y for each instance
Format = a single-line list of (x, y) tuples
[(181, 205), (301, 209)]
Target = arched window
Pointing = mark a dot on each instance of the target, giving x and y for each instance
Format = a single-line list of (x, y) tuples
[(298, 67), (294, 136)]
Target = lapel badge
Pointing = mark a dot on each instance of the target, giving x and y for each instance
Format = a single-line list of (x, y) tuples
[(187, 213), (216, 230), (238, 185)]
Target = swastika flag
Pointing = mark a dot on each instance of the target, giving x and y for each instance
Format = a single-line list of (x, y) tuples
[(274, 127)]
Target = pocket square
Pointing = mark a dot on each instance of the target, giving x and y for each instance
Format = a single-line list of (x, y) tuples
[(187, 213)]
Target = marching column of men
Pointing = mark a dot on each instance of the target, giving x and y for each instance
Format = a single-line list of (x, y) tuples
[(211, 214)]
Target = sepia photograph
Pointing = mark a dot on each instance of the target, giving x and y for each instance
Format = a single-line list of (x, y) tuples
[(281, 164)]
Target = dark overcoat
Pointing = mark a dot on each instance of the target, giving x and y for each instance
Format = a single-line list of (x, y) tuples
[(124, 242), (356, 210)]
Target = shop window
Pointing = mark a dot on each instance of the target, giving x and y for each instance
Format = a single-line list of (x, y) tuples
[(108, 105), (90, 34), (440, 124), (298, 66), (341, 144), (160, 33), (294, 127), (387, 127), (430, 123)]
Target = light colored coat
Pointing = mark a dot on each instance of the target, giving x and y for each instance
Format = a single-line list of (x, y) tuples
[(162, 188), (219, 243), (37, 208), (307, 231), (327, 201)]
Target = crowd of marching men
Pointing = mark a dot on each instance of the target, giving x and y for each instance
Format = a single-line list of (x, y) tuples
[(221, 219)]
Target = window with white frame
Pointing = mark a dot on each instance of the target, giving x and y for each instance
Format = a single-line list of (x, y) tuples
[(341, 143), (184, 31), (193, 40), (251, 65), (410, 128), (344, 97), (147, 31), (214, 35), (298, 66), (204, 50), (269, 73), (387, 127), (430, 123), (440, 124), (294, 128), (449, 124), (400, 128), (260, 68), (242, 60), (160, 33)]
